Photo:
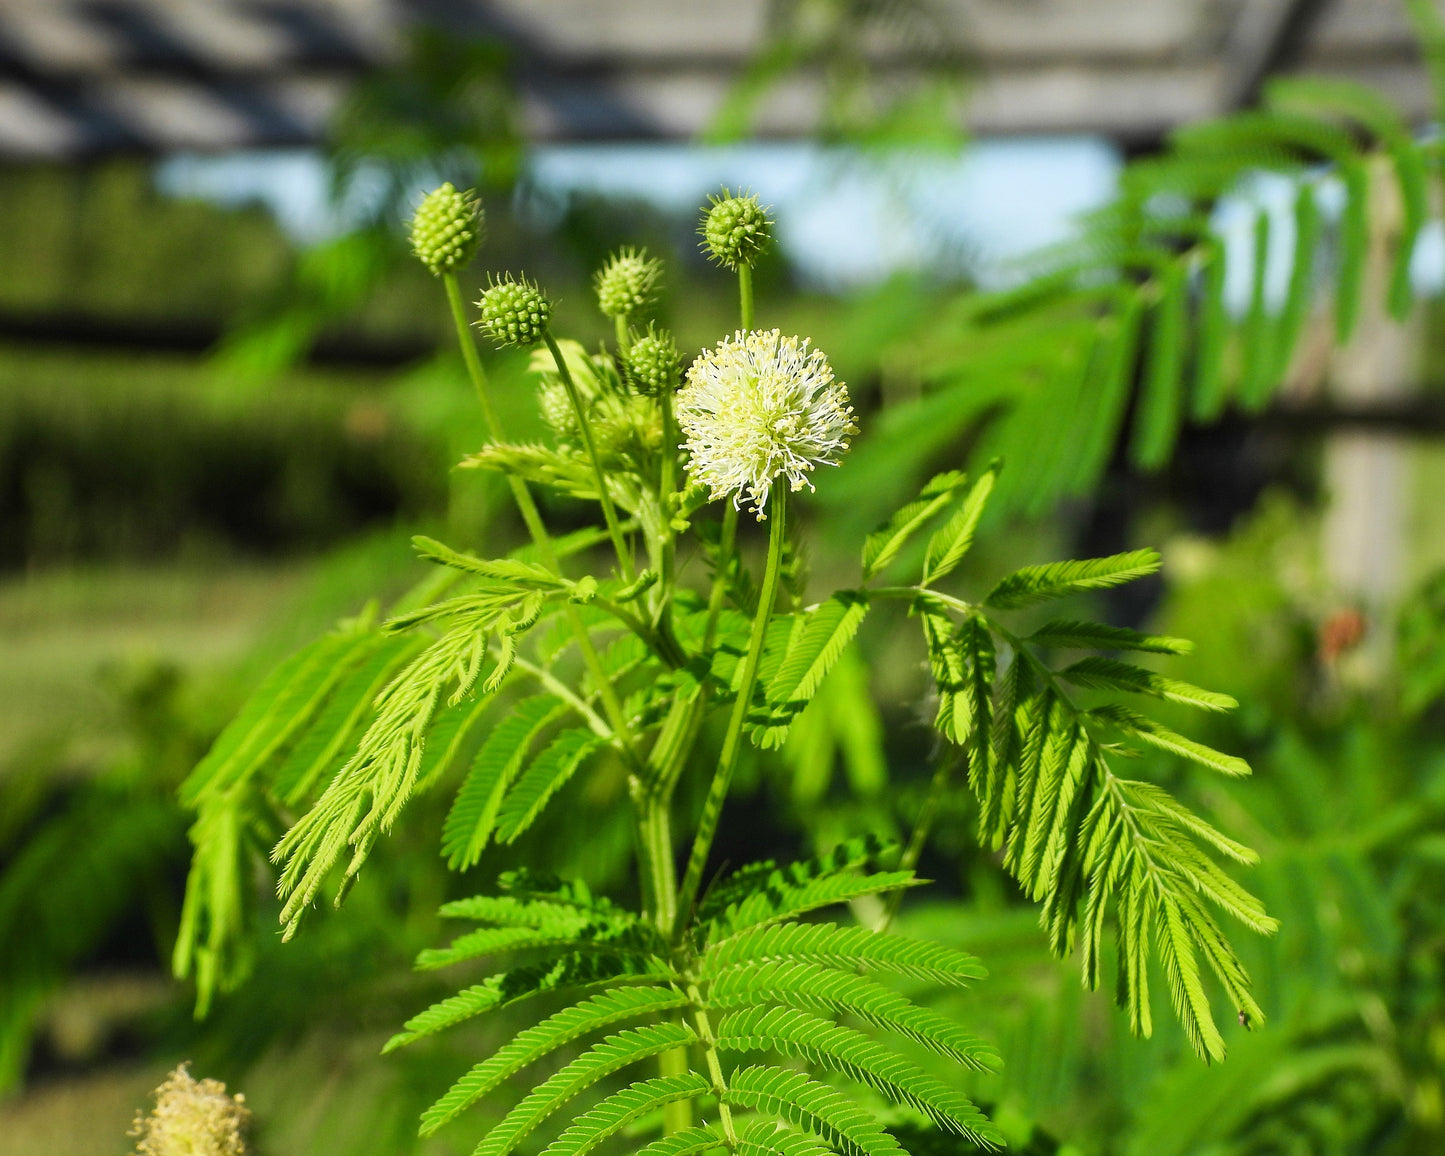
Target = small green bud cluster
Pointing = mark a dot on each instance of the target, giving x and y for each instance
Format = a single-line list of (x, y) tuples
[(446, 229), (736, 230), (653, 363), (514, 312), (627, 283)]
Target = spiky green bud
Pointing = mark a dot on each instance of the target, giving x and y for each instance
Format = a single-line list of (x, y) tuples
[(446, 229), (736, 230), (627, 283), (653, 363), (514, 312)]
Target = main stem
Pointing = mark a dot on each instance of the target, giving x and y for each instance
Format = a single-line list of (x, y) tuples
[(733, 740), (609, 512), (527, 507)]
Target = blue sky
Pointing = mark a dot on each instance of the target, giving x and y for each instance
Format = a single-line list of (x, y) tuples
[(845, 220)]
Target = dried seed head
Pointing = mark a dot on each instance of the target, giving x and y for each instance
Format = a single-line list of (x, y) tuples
[(446, 229), (514, 312), (736, 230), (628, 282)]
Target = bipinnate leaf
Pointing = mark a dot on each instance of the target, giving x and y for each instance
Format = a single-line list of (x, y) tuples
[(1067, 634), (534, 1043), (279, 708), (510, 570), (947, 547), (1111, 674), (575, 970), (620, 1109), (685, 1142), (608, 1055), (793, 1032), (1158, 735), (812, 987), (1033, 584), (883, 544), (546, 775), (847, 947), (473, 815), (805, 1103)]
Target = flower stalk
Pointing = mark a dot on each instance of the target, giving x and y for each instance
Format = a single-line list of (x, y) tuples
[(609, 511), (732, 740)]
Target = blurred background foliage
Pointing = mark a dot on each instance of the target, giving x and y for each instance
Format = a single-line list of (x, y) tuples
[(237, 459)]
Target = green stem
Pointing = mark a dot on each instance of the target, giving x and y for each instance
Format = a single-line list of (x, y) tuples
[(623, 344), (732, 741), (609, 512), (924, 592), (527, 507), (714, 1066), (667, 486), (745, 295), (559, 688)]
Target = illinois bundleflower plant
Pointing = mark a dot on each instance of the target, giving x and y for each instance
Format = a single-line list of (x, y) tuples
[(715, 1008)]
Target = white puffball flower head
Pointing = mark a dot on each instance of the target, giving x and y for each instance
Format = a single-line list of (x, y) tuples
[(757, 407)]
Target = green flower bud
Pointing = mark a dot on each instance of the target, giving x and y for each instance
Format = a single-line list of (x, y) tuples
[(557, 409), (628, 282), (624, 426), (446, 229), (514, 312), (653, 363), (736, 230)]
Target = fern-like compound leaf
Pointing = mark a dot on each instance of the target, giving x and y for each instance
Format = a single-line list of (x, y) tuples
[(543, 914), (686, 1142), (793, 1032), (781, 898), (883, 544), (813, 987), (1065, 634), (845, 947), (619, 1110), (767, 1137), (1111, 674), (1033, 584), (1158, 735), (280, 707), (805, 1103), (511, 570), (947, 547), (529, 1046), (546, 775), (586, 937), (812, 652), (1156, 422), (473, 815), (575, 970), (608, 1055), (335, 728)]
